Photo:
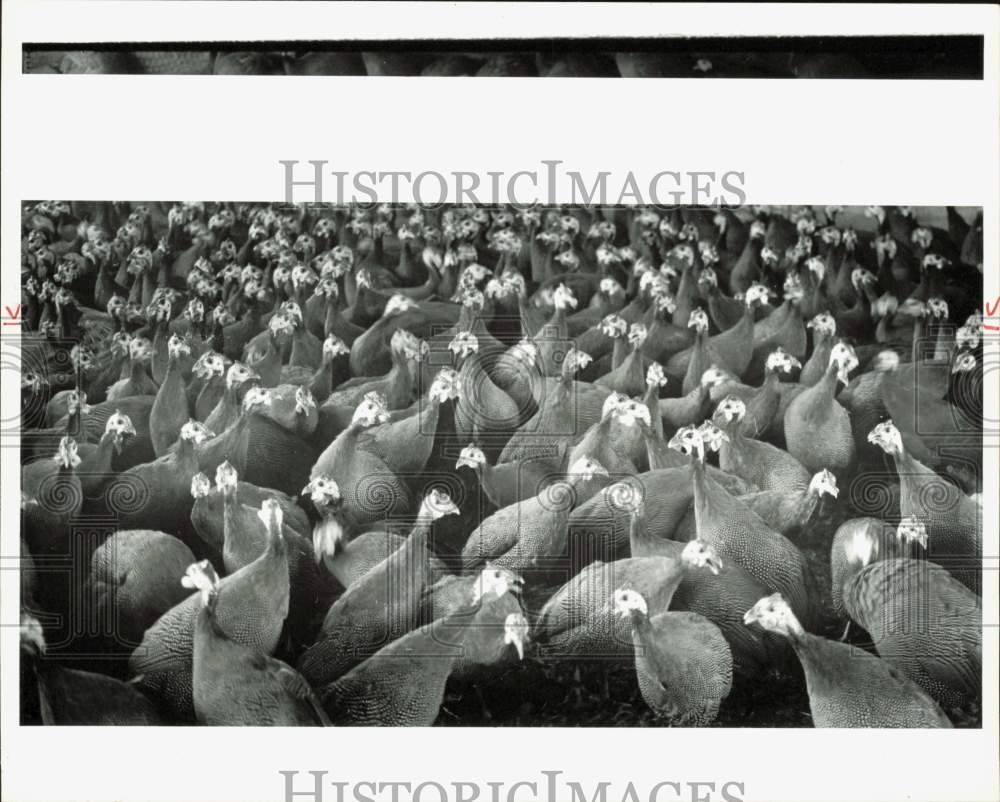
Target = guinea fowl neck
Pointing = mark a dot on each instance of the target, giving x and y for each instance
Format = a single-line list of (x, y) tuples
[(639, 537), (619, 352)]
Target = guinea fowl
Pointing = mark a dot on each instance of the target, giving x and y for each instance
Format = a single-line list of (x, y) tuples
[(135, 578), (761, 464), (629, 378), (208, 384), (137, 381), (510, 482), (156, 495), (738, 533), (56, 495), (481, 404), (170, 409), (227, 409), (234, 684), (69, 697), (789, 512), (720, 594), (499, 618), (403, 683), (376, 491), (922, 621), (381, 606), (682, 661), (824, 330), (251, 609), (817, 428), (532, 533), (952, 519), (848, 687)]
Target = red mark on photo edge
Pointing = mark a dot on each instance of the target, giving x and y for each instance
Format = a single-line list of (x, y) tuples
[(14, 314), (990, 311)]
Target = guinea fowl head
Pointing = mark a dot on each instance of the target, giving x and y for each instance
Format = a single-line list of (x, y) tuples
[(968, 336), (629, 412), (447, 386), (226, 478), (495, 581), (699, 554), (610, 287), (195, 433), (779, 361), (886, 436), (628, 602), (756, 294), (463, 344), (201, 576), (32, 635), (397, 305), (238, 374), (964, 363), (305, 403), (773, 614), (730, 410), (563, 298), (201, 486), (119, 426), (515, 632), (140, 349), (937, 308), (698, 321), (209, 365), (823, 324), (822, 483), (613, 326), (471, 457), (842, 355), (194, 311), (176, 347), (76, 402), (272, 516), (885, 361), (585, 469), (437, 504), (575, 360), (912, 530), (372, 411), (66, 456), (333, 347), (715, 376), (934, 261), (256, 397), (637, 335), (655, 377)]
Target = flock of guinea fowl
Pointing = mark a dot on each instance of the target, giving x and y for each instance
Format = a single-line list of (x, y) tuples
[(313, 465)]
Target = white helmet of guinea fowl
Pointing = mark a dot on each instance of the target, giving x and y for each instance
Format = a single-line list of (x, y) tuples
[(176, 347), (613, 326), (575, 360), (515, 632), (843, 355), (255, 397), (239, 373), (698, 320), (655, 375), (437, 504), (964, 363), (637, 334), (586, 468), (699, 554), (471, 457), (824, 482), (714, 376), (823, 323), (563, 298), (371, 411), (730, 409), (304, 401), (201, 485), (497, 581), (66, 454), (626, 601), (779, 360), (226, 477), (333, 347), (201, 576), (464, 343), (120, 424), (195, 432), (398, 304), (886, 436), (322, 490), (912, 530), (773, 614)]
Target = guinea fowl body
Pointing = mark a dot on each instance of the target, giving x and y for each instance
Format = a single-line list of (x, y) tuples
[(683, 664), (848, 687), (170, 409), (818, 429), (359, 622), (70, 697), (236, 685), (737, 533), (251, 609), (402, 684), (135, 577), (924, 623)]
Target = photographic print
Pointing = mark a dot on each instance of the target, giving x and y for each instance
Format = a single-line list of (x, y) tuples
[(401, 465), (499, 402)]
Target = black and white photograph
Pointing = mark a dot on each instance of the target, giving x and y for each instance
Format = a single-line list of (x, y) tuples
[(618, 435)]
